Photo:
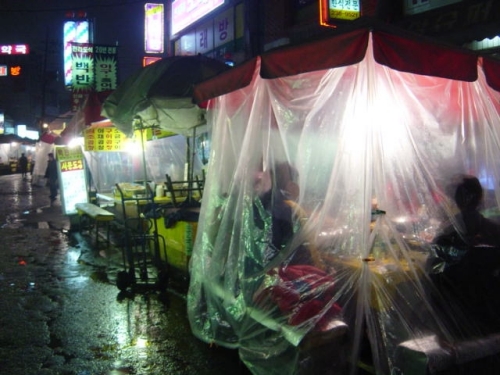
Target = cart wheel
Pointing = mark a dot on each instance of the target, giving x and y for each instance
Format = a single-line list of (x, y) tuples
[(123, 280), (162, 282)]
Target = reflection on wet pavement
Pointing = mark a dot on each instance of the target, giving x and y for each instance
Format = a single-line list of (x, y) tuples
[(62, 313)]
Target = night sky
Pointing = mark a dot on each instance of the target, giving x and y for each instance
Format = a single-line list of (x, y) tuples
[(30, 21), (39, 23)]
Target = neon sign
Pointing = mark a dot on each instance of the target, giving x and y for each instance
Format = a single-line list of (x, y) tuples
[(346, 10), (153, 32), (186, 12), (14, 49), (74, 32)]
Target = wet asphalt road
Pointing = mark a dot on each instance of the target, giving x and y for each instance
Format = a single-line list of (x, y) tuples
[(61, 313)]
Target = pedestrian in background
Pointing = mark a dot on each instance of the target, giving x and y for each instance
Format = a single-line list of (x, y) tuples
[(51, 176), (23, 165)]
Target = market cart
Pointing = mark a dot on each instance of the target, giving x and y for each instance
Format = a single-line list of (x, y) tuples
[(142, 242)]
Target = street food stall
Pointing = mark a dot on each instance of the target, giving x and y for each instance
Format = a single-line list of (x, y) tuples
[(332, 174), (11, 148), (117, 167), (158, 97)]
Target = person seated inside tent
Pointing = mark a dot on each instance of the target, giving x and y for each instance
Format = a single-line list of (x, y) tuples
[(276, 207), (468, 256), (299, 289), (470, 225)]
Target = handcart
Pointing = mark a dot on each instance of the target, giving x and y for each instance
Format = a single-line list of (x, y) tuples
[(142, 243)]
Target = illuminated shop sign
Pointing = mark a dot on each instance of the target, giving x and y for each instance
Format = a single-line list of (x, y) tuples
[(153, 33), (105, 68), (454, 17), (3, 70), (72, 177), (73, 32), (15, 70), (82, 68), (346, 10), (14, 49), (104, 139), (186, 12), (208, 36), (419, 6), (146, 60)]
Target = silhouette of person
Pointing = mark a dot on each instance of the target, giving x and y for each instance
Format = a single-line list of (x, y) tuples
[(478, 229), (276, 207), (472, 276), (52, 178), (23, 165)]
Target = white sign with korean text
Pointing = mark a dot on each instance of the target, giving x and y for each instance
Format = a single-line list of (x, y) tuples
[(72, 178), (224, 28), (205, 37)]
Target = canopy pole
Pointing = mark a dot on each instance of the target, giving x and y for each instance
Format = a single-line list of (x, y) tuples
[(144, 159), (137, 125), (190, 152)]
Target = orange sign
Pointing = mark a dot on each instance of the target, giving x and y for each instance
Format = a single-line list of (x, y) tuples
[(15, 70)]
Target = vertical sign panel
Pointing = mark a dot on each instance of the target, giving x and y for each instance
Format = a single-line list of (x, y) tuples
[(154, 28), (72, 178), (105, 66), (82, 68), (73, 32)]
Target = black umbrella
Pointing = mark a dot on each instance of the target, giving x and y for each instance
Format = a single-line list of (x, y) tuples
[(160, 95)]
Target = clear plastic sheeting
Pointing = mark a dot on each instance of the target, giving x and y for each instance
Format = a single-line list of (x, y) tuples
[(163, 156), (330, 239), (41, 158)]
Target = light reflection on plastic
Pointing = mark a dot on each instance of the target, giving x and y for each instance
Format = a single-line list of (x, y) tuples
[(141, 343), (78, 141), (73, 256), (133, 146)]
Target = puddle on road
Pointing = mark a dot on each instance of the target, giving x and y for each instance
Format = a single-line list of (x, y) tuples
[(19, 220)]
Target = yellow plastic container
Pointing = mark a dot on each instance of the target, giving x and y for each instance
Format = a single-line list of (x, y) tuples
[(179, 241)]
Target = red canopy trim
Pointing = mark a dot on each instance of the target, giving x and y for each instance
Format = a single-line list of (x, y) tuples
[(225, 82), (93, 106), (491, 70), (49, 138), (333, 52), (408, 53), (421, 57)]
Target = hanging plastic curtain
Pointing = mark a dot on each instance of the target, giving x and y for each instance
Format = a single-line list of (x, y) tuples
[(336, 214)]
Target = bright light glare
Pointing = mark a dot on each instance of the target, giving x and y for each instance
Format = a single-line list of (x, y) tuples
[(141, 343), (78, 141), (133, 146)]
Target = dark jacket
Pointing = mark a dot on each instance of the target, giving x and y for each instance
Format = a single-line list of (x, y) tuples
[(51, 171)]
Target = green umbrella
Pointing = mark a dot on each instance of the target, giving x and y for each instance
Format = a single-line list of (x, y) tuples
[(160, 95)]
